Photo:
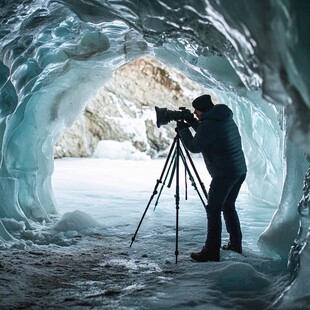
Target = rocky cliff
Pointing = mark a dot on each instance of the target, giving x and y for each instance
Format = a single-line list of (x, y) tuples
[(123, 110)]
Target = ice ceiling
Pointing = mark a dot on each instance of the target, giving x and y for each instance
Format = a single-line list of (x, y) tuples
[(252, 54)]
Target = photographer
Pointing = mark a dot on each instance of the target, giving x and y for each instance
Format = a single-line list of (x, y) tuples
[(217, 138)]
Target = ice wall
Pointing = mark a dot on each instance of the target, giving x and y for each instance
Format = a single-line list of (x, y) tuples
[(54, 55)]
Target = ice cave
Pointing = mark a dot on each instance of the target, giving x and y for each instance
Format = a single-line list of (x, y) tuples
[(250, 54)]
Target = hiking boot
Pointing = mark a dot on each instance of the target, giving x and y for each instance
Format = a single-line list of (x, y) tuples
[(232, 247), (205, 256)]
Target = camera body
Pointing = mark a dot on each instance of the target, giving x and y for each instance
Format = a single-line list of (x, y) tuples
[(164, 116)]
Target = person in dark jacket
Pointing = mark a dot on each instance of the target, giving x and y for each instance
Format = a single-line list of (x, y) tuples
[(217, 138)]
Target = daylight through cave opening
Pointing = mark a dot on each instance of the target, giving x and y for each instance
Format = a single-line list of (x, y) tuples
[(272, 159), (130, 97)]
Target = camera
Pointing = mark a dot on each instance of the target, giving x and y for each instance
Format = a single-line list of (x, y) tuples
[(164, 116)]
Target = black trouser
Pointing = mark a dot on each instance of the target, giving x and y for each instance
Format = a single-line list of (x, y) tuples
[(223, 193)]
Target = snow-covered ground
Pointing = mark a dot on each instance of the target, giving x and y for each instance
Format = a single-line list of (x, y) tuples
[(116, 193), (97, 268)]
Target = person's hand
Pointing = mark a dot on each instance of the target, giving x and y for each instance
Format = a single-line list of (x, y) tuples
[(191, 120), (181, 125)]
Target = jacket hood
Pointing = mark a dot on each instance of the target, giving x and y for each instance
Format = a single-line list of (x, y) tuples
[(220, 112)]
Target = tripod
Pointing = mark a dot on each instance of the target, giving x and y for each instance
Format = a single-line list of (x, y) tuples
[(173, 161)]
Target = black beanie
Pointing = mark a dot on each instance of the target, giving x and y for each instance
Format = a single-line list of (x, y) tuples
[(203, 103)]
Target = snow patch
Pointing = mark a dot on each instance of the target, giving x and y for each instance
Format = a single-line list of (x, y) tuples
[(118, 150), (240, 277), (75, 221)]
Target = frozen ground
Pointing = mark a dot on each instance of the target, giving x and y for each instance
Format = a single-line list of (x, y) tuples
[(96, 267)]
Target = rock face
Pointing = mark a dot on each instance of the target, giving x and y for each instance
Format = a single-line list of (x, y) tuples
[(123, 110)]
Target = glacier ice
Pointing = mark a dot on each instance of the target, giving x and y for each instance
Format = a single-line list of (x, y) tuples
[(251, 54)]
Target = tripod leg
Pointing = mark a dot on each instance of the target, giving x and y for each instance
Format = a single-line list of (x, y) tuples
[(172, 175), (177, 197), (195, 170), (155, 189), (191, 177), (165, 179)]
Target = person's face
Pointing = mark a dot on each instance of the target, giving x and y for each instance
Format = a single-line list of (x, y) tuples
[(198, 114)]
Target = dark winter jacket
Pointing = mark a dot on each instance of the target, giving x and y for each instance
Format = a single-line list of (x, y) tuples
[(217, 137)]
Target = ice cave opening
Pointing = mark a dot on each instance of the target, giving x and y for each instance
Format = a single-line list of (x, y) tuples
[(272, 159), (55, 56)]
